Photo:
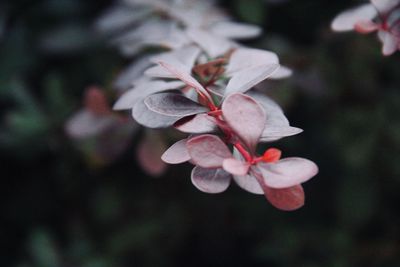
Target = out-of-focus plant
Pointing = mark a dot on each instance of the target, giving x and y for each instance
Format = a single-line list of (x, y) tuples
[(382, 16), (215, 73)]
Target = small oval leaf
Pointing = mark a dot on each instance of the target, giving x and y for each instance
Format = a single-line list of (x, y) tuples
[(287, 199), (211, 181), (245, 116), (199, 123), (235, 166), (177, 153), (208, 151), (174, 105), (244, 80), (287, 172), (346, 20)]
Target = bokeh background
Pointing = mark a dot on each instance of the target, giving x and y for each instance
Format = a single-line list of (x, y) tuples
[(61, 209)]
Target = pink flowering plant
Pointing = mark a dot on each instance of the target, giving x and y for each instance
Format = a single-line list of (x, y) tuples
[(216, 102), (203, 86), (382, 16)]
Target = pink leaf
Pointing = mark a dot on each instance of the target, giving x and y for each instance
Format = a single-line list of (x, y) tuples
[(177, 153), (213, 45), (346, 20), (244, 80), (143, 89), (208, 151), (160, 72), (247, 182), (96, 102), (131, 73), (118, 17), (210, 180), (86, 124), (234, 30), (149, 153), (245, 116), (276, 125), (390, 43), (366, 26), (186, 56), (150, 119), (281, 73), (287, 172), (175, 105), (235, 166), (384, 6), (277, 132), (287, 199), (199, 123), (179, 72), (243, 58)]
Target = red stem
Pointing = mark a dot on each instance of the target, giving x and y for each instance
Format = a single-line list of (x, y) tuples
[(216, 113), (244, 152)]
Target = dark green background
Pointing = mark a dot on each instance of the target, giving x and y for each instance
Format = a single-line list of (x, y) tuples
[(59, 211)]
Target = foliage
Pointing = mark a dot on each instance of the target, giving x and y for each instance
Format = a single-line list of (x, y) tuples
[(64, 208)]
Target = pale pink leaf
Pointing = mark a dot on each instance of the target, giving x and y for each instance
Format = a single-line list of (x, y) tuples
[(287, 172), (208, 151), (143, 89), (211, 181), (199, 123), (246, 118), (247, 182), (118, 17), (149, 152), (212, 44), (244, 58), (277, 125), (151, 31), (281, 73), (287, 199), (95, 101), (275, 133), (186, 56), (366, 26), (384, 6), (244, 80), (130, 74), (235, 30), (390, 42), (160, 72), (179, 72), (150, 119), (346, 20), (174, 105), (177, 153), (275, 115), (85, 124), (235, 166)]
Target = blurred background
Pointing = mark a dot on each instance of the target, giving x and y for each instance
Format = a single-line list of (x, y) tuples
[(63, 207)]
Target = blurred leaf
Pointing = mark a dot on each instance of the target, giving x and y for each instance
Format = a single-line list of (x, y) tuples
[(251, 11), (58, 102), (357, 199), (67, 39), (135, 236), (43, 250)]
